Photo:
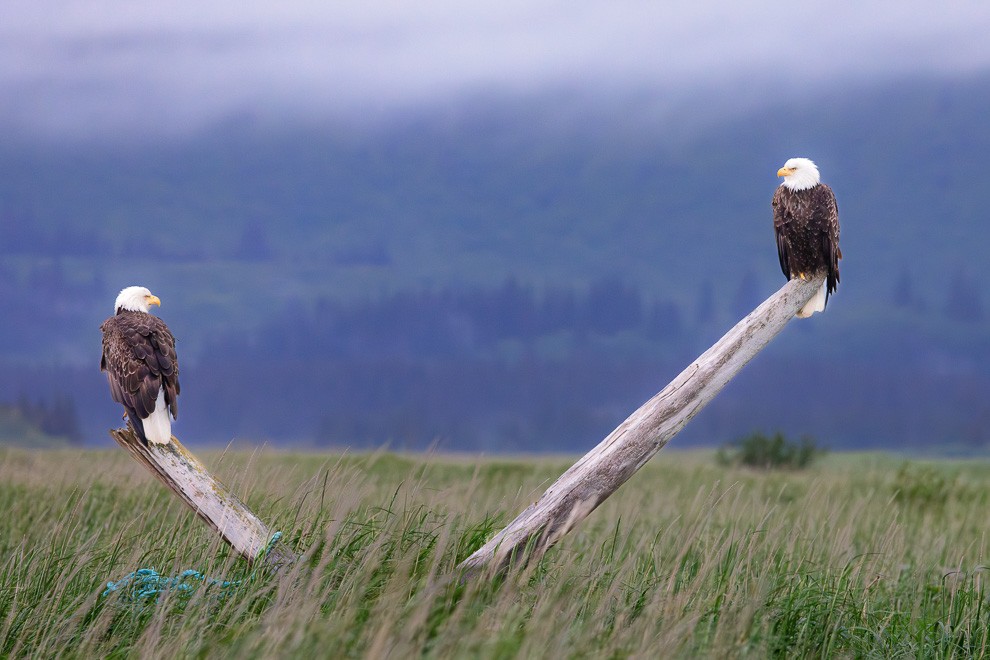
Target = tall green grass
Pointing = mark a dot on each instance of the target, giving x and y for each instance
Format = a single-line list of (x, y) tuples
[(862, 556)]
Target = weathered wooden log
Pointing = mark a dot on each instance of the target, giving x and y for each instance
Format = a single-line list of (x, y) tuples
[(635, 441), (213, 502)]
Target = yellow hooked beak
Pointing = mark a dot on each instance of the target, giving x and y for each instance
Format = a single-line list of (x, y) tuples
[(785, 171), (153, 300)]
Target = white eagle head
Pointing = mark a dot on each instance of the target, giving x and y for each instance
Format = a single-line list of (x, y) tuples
[(135, 299), (799, 174)]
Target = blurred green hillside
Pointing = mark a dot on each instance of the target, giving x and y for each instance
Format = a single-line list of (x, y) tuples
[(34, 428), (248, 226), (248, 217)]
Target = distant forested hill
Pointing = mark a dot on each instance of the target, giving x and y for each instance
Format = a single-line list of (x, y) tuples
[(255, 231)]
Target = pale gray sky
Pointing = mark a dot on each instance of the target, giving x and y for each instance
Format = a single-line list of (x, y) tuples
[(71, 66)]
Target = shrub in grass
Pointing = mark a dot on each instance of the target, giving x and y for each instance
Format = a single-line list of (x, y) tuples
[(922, 485), (759, 450)]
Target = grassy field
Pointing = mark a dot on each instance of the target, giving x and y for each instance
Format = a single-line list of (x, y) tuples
[(861, 556)]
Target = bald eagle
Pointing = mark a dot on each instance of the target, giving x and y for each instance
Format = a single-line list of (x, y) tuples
[(141, 366), (806, 221)]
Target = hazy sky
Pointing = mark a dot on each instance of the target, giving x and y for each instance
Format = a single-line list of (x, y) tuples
[(88, 66)]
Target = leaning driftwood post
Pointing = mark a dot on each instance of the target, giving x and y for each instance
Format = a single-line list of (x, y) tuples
[(606, 467), (213, 502)]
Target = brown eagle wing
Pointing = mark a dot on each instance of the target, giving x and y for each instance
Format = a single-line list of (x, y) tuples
[(139, 358), (826, 216), (779, 222)]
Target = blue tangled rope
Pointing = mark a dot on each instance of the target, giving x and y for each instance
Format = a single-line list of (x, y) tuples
[(145, 584)]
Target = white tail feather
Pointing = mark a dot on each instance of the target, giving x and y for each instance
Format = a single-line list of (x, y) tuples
[(158, 425), (816, 304)]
